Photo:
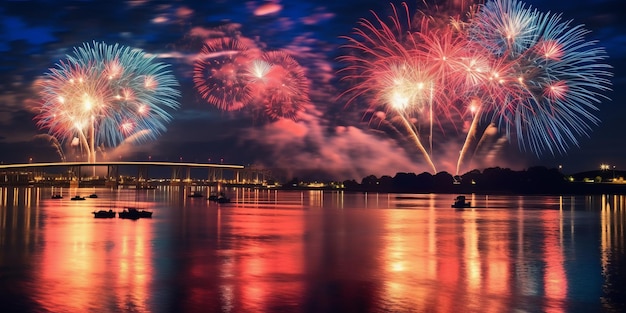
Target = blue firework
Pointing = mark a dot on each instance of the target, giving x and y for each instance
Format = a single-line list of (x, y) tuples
[(552, 78), (104, 94)]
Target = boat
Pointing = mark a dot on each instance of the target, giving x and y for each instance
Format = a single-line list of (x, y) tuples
[(77, 197), (196, 194), (221, 198), (93, 195), (460, 203), (56, 195), (104, 214), (134, 213)]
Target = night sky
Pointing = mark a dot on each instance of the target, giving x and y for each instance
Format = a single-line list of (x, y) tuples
[(331, 140)]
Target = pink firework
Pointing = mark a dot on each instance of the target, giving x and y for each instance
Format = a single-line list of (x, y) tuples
[(412, 68), (220, 73)]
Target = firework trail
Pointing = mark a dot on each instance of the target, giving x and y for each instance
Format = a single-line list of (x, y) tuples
[(529, 73), (54, 143), (103, 94)]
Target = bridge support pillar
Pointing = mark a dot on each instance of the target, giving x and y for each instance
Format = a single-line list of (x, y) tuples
[(142, 176), (176, 175), (113, 176)]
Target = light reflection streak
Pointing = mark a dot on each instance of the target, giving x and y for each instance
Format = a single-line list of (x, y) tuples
[(431, 262), (497, 271), (448, 265), (555, 279), (471, 253), (135, 267), (527, 281), (18, 222), (605, 234), (401, 259), (612, 234), (316, 198), (612, 218), (265, 259)]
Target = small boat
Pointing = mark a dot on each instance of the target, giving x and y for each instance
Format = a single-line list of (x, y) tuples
[(56, 195), (196, 194), (104, 214), (221, 198), (134, 213), (460, 203), (77, 197), (93, 195)]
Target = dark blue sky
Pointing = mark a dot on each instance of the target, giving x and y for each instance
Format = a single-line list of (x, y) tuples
[(34, 35)]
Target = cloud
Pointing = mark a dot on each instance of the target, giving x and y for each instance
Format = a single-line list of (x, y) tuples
[(267, 9), (342, 152)]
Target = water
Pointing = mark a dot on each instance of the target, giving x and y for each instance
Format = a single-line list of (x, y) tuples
[(311, 251)]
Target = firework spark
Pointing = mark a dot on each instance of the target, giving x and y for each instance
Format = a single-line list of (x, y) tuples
[(103, 94)]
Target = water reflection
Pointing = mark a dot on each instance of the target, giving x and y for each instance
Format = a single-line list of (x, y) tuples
[(85, 261), (315, 251), (613, 219)]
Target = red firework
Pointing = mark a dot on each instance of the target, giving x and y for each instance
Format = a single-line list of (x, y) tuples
[(220, 73), (279, 85)]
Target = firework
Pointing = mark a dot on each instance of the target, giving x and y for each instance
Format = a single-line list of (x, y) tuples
[(530, 74), (278, 85), (552, 77), (389, 64), (103, 94), (221, 73), (232, 74)]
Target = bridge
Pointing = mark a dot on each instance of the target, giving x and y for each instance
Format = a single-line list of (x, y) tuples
[(110, 173)]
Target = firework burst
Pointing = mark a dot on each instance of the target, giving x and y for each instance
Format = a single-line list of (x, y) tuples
[(391, 65), (221, 73), (103, 94), (552, 79), (279, 85), (235, 76)]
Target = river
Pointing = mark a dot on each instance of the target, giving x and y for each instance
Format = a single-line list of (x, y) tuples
[(310, 251)]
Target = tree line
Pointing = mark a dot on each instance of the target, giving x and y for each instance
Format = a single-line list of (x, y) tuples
[(533, 180)]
